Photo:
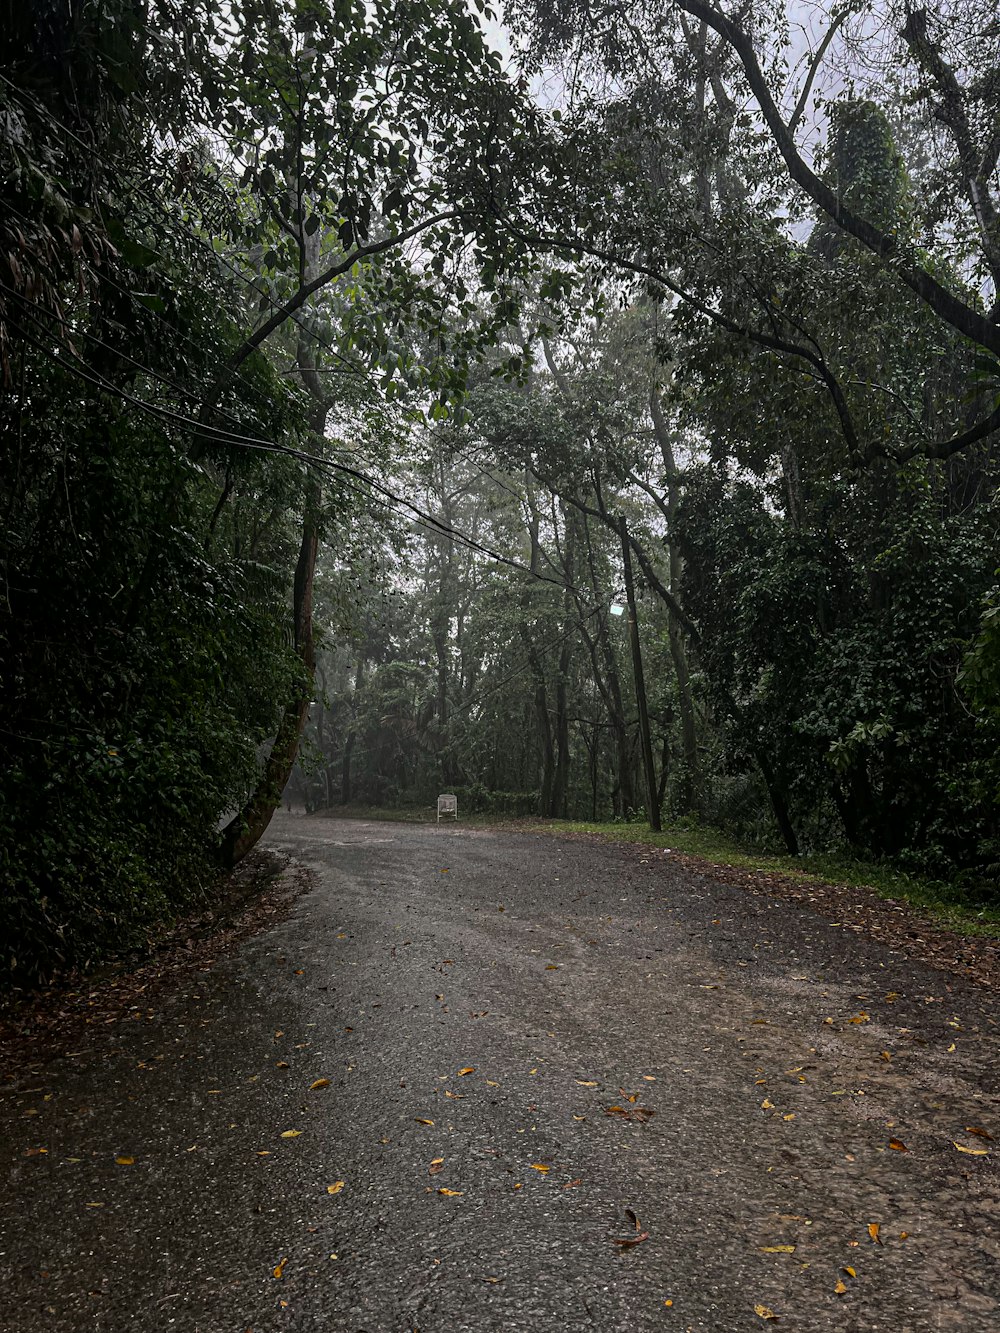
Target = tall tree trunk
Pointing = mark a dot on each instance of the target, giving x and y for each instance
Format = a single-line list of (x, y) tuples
[(245, 830), (692, 782)]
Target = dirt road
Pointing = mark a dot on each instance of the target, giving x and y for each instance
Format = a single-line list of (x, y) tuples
[(484, 1081)]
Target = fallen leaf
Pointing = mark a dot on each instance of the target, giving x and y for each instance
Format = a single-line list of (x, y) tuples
[(299, 971), (421, 1121), (435, 1168), (848, 1270), (125, 1161), (627, 1241), (320, 1083), (764, 1312), (552, 967), (951, 1048), (571, 1183), (903, 1235), (860, 1018), (840, 1288), (280, 1270), (885, 1055), (778, 1249), (540, 1166), (767, 1105), (981, 1133), (291, 1133), (586, 1082), (632, 1218), (451, 1194), (336, 1187), (579, 1117), (281, 1064), (668, 1303), (38, 1152), (873, 1229), (650, 1078), (898, 1145), (95, 1205), (455, 1096), (615, 1110), (469, 1069), (973, 1152)]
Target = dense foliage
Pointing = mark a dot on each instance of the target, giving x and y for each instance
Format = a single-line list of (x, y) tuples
[(335, 371)]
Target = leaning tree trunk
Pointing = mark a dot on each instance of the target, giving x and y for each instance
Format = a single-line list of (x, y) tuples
[(245, 830)]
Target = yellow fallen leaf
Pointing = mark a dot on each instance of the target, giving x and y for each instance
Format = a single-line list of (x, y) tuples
[(860, 1018), (281, 1064), (764, 1312), (840, 1288), (125, 1161), (336, 1187), (789, 1116), (873, 1229), (552, 967), (469, 1069), (455, 1096), (767, 1105), (533, 1071), (885, 1055), (898, 1145), (280, 1269), (333, 1256), (903, 1235), (586, 1082), (421, 1121), (437, 1161), (579, 1117), (848, 1270), (951, 1048), (668, 1303), (451, 1194), (95, 1205), (540, 1166), (265, 1153), (491, 1084), (651, 1078), (973, 1152), (777, 1249), (291, 1133), (320, 1083)]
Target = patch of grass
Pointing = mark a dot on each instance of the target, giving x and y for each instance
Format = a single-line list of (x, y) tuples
[(406, 814), (963, 908)]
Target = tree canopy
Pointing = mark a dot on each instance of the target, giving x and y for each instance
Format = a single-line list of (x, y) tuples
[(340, 353)]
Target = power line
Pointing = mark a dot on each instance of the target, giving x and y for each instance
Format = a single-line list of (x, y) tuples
[(219, 436)]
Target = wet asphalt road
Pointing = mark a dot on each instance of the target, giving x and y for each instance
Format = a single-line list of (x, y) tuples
[(569, 1031)]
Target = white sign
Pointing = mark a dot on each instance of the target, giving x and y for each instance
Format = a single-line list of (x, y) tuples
[(447, 805)]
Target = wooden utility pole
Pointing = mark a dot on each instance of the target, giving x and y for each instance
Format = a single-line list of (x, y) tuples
[(652, 801)]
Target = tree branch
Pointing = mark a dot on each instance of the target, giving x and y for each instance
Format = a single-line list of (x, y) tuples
[(964, 318)]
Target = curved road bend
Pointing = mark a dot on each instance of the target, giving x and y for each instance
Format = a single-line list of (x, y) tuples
[(571, 1086)]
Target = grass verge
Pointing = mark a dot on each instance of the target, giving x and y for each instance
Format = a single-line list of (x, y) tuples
[(963, 908)]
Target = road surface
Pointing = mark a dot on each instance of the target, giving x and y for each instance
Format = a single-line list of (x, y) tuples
[(483, 1081)]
